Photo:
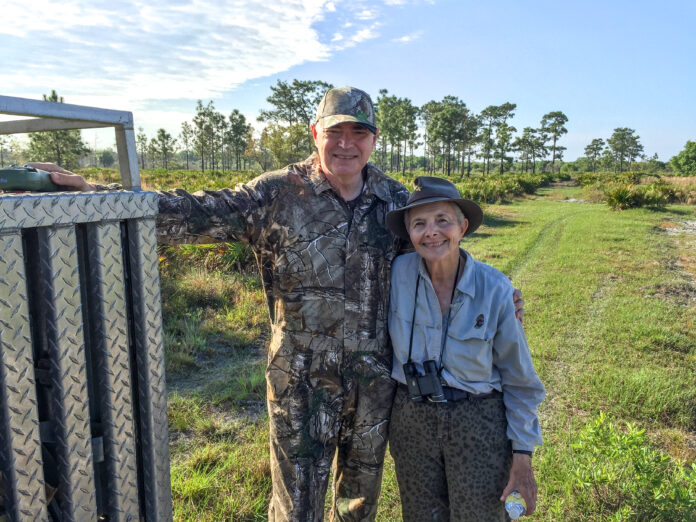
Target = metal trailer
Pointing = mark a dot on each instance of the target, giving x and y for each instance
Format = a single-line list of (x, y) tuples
[(83, 414)]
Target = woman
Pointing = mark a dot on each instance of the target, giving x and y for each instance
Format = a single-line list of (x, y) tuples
[(464, 422)]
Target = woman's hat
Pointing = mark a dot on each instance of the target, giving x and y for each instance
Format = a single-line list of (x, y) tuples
[(430, 189)]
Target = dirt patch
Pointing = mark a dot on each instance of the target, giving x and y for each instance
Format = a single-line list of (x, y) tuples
[(681, 293), (677, 228), (567, 183)]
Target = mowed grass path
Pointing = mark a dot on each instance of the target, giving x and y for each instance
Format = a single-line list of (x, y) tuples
[(610, 302)]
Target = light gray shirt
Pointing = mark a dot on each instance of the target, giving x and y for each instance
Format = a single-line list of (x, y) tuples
[(485, 349)]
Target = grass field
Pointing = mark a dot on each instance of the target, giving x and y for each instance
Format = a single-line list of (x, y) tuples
[(610, 307)]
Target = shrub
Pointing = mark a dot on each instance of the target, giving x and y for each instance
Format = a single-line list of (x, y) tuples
[(621, 197), (617, 471)]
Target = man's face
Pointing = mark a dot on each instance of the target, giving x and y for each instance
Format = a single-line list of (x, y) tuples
[(344, 149)]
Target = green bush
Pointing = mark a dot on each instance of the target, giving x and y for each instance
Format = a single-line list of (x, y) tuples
[(618, 473), (631, 190), (493, 188), (621, 197)]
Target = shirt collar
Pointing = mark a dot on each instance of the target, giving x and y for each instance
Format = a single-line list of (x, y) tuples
[(467, 283)]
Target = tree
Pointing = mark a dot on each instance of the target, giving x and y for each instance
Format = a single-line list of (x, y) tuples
[(446, 128), (141, 143), (186, 139), (469, 140), (685, 162), (295, 104), (238, 132), (593, 150), (553, 125), (209, 134), (3, 148), (624, 146), (531, 146), (492, 117), (163, 146), (503, 144), (282, 142), (396, 120), (63, 147), (106, 158), (257, 152), (425, 114)]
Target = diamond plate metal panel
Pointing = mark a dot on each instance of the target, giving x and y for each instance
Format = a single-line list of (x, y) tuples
[(147, 313), (36, 210), (20, 445), (111, 353), (62, 301)]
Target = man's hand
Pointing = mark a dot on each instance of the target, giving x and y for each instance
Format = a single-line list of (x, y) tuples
[(522, 479), (519, 304), (63, 177)]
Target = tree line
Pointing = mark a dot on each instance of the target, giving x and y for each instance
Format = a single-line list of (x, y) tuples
[(442, 136)]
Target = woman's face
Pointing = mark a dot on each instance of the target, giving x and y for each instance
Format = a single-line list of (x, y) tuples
[(435, 231)]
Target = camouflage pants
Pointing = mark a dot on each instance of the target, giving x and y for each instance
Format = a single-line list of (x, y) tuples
[(324, 405), (452, 459)]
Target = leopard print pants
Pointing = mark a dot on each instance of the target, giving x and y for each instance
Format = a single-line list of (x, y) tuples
[(452, 459)]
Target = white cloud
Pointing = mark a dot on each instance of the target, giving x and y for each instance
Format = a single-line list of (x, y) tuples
[(362, 35), (366, 14), (160, 50), (140, 55), (409, 37)]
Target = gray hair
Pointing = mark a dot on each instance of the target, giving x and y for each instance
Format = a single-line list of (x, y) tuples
[(457, 212)]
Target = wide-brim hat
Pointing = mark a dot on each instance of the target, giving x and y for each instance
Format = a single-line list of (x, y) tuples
[(346, 104), (431, 189)]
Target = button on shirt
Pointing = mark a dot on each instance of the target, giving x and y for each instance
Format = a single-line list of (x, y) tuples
[(485, 349)]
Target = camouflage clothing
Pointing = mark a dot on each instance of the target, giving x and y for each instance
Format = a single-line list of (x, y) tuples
[(346, 104), (325, 271)]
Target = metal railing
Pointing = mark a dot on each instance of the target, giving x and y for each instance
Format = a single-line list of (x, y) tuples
[(83, 419)]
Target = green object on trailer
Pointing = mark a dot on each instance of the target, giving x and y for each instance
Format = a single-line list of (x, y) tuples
[(26, 178)]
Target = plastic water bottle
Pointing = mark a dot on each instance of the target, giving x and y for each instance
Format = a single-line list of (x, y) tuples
[(515, 505)]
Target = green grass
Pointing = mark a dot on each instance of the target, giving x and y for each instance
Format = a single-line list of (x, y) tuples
[(610, 302)]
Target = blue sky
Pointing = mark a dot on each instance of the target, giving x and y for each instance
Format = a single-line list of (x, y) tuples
[(604, 64)]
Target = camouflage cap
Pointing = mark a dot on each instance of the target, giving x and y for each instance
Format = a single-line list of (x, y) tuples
[(343, 104)]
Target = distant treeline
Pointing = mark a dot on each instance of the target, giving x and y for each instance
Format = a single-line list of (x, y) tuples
[(439, 137)]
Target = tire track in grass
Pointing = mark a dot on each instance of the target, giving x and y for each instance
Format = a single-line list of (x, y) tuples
[(548, 236)]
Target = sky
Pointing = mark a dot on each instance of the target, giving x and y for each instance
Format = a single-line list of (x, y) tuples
[(605, 64)]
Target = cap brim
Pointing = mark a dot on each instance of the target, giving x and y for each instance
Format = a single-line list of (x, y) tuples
[(336, 119), (472, 212)]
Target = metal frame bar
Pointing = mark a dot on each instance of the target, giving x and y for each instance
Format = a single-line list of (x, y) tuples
[(51, 116)]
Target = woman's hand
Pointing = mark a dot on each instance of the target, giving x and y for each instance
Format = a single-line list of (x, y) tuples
[(519, 304), (522, 479), (63, 177)]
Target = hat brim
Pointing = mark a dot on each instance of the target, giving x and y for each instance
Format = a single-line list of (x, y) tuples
[(345, 118), (471, 210)]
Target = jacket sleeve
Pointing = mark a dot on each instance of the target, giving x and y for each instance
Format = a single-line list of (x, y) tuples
[(522, 389), (212, 216)]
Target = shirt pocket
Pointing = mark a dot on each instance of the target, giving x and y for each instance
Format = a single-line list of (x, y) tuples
[(468, 354), (425, 335)]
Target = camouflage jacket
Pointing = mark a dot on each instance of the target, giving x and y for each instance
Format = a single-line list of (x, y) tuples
[(325, 270)]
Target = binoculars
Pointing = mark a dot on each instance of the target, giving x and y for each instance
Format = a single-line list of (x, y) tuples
[(426, 385)]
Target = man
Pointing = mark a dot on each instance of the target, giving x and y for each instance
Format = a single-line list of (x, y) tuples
[(318, 231)]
